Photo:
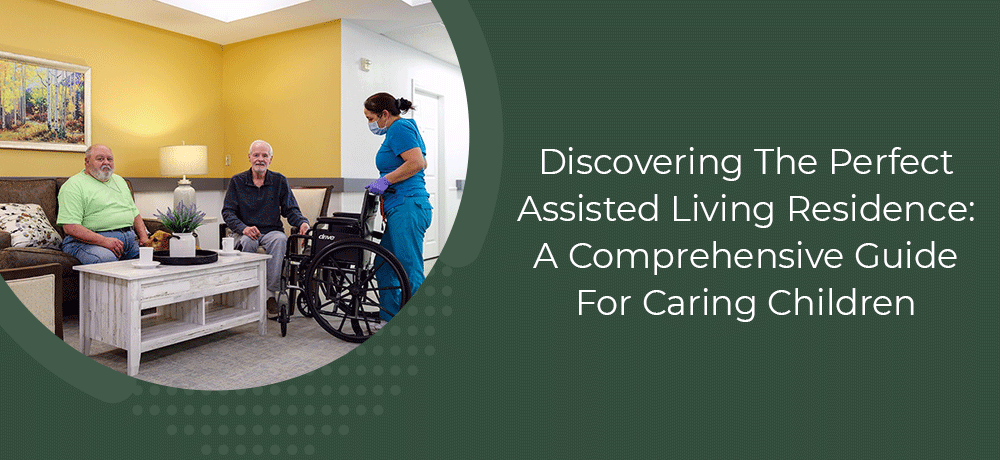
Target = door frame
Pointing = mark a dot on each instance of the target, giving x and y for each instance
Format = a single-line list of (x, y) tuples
[(441, 186)]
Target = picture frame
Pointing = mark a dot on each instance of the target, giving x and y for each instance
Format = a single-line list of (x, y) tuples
[(44, 104)]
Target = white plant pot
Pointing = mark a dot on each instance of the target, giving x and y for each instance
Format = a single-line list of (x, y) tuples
[(183, 245)]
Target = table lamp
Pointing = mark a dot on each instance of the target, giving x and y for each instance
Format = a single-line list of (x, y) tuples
[(181, 160)]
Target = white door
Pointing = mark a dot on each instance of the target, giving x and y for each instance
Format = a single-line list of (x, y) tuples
[(428, 115)]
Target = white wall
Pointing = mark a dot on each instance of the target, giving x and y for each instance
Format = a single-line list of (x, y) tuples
[(394, 69)]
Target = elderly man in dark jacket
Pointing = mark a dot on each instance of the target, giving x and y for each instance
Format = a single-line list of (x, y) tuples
[(255, 202)]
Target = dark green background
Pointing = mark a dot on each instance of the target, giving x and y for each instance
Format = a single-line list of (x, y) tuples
[(491, 360)]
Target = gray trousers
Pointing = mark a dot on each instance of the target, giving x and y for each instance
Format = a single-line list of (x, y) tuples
[(274, 243)]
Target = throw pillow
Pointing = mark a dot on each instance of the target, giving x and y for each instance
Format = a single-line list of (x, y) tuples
[(28, 226)]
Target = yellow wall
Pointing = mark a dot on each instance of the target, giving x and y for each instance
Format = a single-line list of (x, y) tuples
[(150, 87), (285, 89)]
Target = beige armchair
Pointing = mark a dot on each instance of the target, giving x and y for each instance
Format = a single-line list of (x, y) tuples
[(39, 288)]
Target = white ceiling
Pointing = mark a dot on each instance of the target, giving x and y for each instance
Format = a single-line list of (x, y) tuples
[(419, 27)]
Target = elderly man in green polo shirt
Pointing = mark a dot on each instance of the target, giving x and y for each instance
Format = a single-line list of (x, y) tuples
[(98, 214)]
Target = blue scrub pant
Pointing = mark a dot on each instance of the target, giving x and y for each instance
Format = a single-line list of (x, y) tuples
[(404, 238)]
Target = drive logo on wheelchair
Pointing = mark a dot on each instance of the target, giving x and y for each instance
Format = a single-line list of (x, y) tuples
[(323, 237)]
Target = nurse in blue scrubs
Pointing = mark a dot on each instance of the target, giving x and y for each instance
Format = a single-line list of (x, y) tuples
[(401, 162)]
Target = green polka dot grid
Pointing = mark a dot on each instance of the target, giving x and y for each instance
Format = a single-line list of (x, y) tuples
[(198, 409)]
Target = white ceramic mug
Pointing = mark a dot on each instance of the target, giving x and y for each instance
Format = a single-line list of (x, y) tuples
[(227, 244), (145, 255)]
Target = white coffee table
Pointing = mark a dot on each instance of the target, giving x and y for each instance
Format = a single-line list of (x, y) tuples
[(190, 301)]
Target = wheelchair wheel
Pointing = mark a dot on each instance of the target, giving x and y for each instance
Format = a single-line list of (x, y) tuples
[(342, 292), (283, 317), (303, 305)]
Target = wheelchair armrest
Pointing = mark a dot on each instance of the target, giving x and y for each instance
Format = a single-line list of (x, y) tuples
[(352, 215)]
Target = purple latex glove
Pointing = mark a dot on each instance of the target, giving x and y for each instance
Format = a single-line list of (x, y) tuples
[(378, 186)]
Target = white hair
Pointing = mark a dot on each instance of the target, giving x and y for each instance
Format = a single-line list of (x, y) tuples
[(270, 150)]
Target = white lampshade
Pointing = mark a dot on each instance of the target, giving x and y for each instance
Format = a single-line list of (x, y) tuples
[(181, 160)]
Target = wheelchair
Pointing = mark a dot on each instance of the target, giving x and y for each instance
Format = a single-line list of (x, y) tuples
[(329, 275)]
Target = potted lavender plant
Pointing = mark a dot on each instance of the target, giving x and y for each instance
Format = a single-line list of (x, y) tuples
[(182, 222)]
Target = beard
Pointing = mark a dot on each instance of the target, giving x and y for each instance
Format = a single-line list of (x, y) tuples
[(103, 174)]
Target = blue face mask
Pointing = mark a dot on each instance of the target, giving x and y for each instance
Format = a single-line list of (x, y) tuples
[(376, 129)]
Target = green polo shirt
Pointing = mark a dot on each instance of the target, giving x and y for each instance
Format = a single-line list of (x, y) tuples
[(98, 206)]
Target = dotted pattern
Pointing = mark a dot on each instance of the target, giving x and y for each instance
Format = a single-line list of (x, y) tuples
[(258, 425)]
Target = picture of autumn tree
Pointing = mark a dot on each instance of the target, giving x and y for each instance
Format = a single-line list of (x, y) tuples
[(41, 104)]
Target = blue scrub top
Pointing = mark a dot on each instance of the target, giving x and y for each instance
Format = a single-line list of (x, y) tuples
[(402, 135)]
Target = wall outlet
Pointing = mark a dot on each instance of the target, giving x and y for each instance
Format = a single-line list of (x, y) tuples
[(227, 160)]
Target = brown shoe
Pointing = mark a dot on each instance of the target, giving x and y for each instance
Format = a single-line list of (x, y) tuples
[(272, 306)]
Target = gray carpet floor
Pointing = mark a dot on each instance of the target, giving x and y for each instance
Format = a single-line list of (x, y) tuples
[(227, 360)]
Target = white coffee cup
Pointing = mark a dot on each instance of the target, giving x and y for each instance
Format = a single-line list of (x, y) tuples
[(145, 255), (227, 244)]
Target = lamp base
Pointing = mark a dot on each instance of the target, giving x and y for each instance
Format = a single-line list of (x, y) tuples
[(184, 192)]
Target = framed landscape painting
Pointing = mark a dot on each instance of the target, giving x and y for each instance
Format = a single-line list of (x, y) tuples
[(44, 105)]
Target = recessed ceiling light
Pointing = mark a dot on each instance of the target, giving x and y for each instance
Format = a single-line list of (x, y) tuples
[(416, 2), (232, 10)]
